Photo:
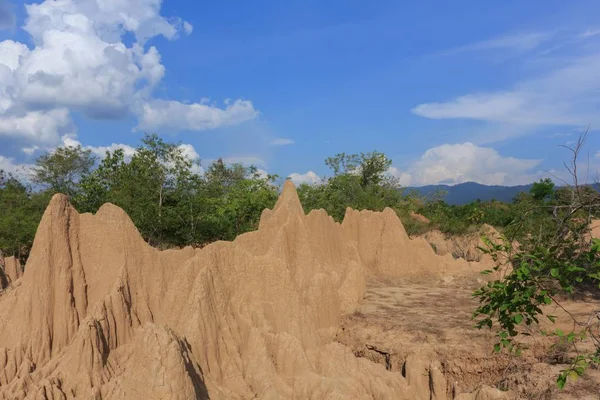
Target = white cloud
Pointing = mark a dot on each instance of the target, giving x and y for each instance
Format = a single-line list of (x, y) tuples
[(496, 107), (80, 61), (523, 41), (99, 151), (190, 152), (10, 165), (466, 162), (111, 18), (188, 28), (173, 115), (566, 93), (41, 127), (566, 96), (281, 142), (30, 150), (404, 178), (187, 150), (309, 177)]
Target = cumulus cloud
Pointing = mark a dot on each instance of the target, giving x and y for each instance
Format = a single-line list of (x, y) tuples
[(100, 151), (11, 166), (281, 142), (187, 150), (190, 152), (8, 164), (173, 115), (41, 127), (80, 62), (466, 162), (309, 177), (111, 18), (403, 177)]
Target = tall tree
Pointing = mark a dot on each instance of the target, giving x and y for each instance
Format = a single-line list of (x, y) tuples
[(542, 190), (61, 170), (20, 213)]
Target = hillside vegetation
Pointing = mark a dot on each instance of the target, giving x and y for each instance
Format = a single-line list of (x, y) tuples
[(173, 204)]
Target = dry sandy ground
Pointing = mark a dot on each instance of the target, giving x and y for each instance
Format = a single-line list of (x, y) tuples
[(398, 318)]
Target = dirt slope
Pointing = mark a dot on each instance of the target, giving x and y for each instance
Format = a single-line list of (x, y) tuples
[(99, 314), (464, 246), (401, 322)]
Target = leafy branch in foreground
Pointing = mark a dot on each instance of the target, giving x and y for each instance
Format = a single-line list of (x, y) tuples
[(560, 259)]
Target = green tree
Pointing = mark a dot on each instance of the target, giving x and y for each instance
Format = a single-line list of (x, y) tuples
[(557, 256), (359, 181), (61, 170), (370, 167), (20, 213), (232, 198), (542, 190)]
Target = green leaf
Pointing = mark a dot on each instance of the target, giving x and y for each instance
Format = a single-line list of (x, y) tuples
[(547, 300), (573, 375), (561, 381), (518, 318)]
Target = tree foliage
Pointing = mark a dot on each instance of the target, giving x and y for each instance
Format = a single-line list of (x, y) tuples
[(61, 170), (359, 181), (542, 190), (164, 193), (557, 256), (20, 212)]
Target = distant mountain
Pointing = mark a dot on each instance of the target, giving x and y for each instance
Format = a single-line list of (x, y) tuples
[(467, 192)]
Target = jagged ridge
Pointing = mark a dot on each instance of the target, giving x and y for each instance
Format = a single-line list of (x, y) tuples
[(100, 314)]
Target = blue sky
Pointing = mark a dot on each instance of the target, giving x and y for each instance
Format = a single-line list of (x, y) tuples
[(451, 91)]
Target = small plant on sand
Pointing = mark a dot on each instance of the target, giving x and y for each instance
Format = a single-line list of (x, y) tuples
[(561, 258)]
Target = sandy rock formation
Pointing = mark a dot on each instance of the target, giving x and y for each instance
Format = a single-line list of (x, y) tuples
[(99, 314), (595, 228), (10, 270), (463, 246)]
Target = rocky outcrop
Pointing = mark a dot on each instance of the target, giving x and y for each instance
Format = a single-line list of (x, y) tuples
[(463, 246), (10, 270), (99, 314)]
